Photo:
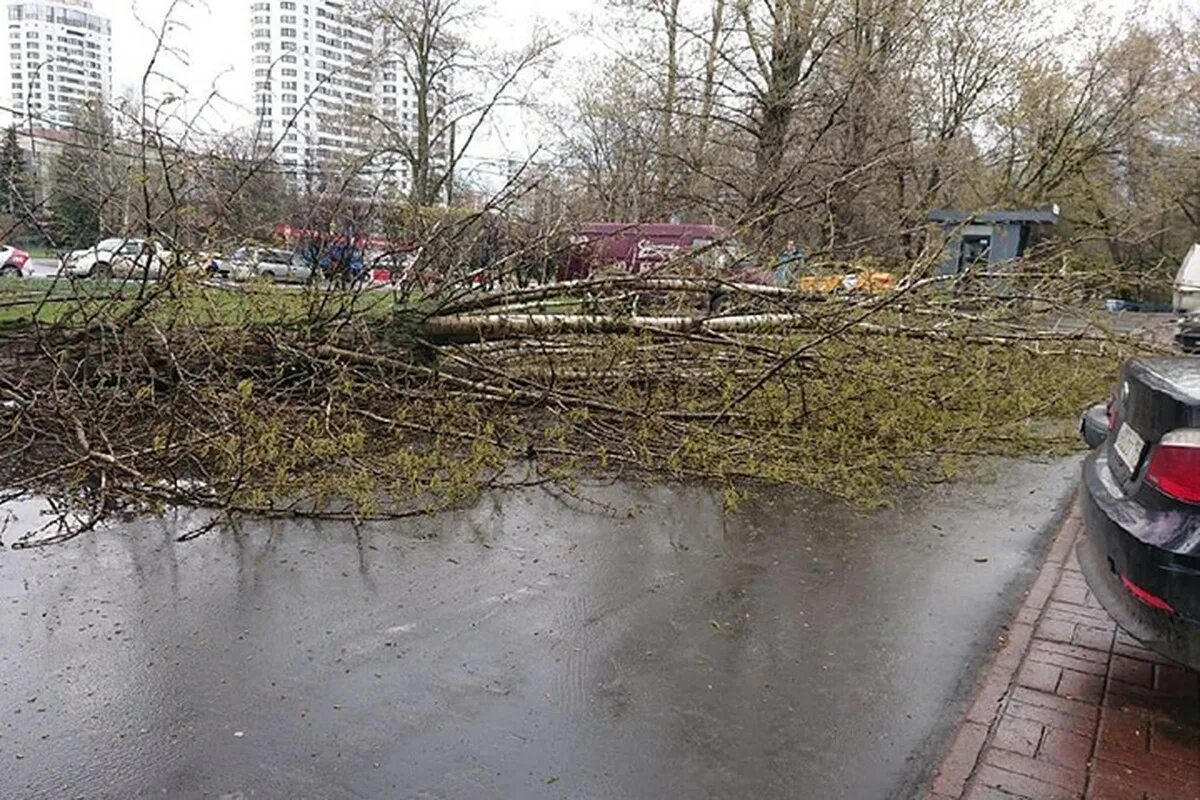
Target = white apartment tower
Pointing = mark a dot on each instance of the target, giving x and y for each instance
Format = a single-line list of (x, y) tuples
[(321, 82), (60, 56)]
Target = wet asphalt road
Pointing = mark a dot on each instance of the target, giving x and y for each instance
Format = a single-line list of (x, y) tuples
[(635, 645), (42, 267)]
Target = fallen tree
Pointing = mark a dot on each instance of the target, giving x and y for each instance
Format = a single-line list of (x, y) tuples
[(367, 403)]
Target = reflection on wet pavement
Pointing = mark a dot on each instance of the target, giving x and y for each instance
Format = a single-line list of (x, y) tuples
[(632, 642)]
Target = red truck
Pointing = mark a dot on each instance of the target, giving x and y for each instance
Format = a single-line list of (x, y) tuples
[(637, 246)]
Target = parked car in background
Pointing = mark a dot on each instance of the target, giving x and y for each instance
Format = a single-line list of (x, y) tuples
[(271, 264), (283, 266), (1140, 496), (637, 247), (12, 262), (90, 260), (118, 257)]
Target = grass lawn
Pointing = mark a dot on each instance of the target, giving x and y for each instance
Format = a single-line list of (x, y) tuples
[(50, 301)]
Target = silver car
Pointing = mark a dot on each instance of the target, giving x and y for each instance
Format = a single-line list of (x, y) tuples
[(283, 266), (270, 264)]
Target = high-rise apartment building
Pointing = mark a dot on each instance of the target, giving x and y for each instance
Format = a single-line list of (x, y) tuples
[(60, 56), (323, 80)]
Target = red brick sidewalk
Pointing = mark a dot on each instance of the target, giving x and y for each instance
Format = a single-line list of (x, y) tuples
[(1073, 708)]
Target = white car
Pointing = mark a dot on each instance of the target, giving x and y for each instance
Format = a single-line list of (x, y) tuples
[(275, 266), (118, 257), (81, 263)]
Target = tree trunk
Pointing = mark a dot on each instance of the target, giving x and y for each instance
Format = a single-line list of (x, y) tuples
[(494, 327), (783, 64), (708, 92), (670, 14)]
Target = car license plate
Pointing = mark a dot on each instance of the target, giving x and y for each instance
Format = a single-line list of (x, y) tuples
[(1129, 446)]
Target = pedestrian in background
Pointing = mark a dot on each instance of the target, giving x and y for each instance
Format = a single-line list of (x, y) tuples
[(790, 258)]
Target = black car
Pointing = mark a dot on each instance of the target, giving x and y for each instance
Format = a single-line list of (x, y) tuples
[(1188, 337), (1140, 494)]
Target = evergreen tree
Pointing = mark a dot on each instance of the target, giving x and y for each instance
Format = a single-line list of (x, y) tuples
[(16, 197), (74, 216), (79, 180)]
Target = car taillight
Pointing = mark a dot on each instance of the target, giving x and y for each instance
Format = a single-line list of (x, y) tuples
[(19, 257), (1149, 598), (1175, 466)]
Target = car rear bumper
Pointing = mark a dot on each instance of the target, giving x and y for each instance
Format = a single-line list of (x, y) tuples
[(1108, 552)]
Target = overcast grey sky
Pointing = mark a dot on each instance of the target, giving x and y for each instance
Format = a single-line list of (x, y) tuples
[(211, 54), (212, 38)]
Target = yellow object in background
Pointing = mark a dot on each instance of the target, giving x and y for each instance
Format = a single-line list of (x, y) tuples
[(865, 281)]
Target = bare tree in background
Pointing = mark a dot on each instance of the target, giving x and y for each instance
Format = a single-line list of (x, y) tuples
[(843, 124), (456, 86), (612, 131)]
